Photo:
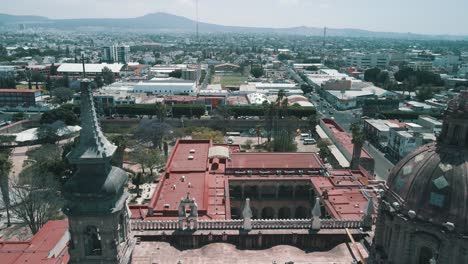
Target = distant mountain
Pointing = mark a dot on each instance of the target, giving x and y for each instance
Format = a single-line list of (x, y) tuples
[(163, 22)]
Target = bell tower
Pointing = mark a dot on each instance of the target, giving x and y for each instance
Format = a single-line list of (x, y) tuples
[(96, 202)]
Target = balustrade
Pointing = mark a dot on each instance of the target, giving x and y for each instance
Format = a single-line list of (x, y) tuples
[(238, 224)]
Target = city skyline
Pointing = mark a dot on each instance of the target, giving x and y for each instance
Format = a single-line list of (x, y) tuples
[(395, 16)]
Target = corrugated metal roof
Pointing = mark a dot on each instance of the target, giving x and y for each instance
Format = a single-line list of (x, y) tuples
[(89, 67)]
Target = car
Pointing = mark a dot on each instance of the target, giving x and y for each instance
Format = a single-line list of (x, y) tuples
[(331, 112)]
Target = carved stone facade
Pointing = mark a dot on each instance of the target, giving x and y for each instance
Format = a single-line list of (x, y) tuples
[(96, 202), (422, 215), (400, 239)]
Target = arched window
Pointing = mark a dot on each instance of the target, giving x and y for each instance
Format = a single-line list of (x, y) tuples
[(301, 212), (92, 240), (425, 255), (284, 213), (268, 213)]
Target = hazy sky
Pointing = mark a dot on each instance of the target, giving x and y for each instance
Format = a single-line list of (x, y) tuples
[(418, 16)]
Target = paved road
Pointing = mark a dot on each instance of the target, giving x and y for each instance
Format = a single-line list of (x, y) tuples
[(345, 119)]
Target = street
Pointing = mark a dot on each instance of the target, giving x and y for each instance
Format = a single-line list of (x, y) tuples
[(345, 119)]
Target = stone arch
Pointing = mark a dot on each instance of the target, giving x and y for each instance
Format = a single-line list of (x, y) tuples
[(254, 212), (285, 191), (284, 213), (92, 241), (425, 255), (301, 212), (423, 242), (235, 213), (268, 213)]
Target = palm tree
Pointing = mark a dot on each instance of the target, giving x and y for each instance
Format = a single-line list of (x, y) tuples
[(5, 167), (359, 137)]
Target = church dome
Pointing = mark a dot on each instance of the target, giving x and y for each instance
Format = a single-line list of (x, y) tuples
[(431, 184)]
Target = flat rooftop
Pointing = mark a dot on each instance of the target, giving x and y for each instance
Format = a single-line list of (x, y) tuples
[(274, 161)]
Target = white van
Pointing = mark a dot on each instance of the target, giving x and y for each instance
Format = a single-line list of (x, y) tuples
[(304, 135), (309, 141)]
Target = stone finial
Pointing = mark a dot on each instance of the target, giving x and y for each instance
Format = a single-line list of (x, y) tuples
[(247, 215), (247, 212), (316, 214), (194, 209)]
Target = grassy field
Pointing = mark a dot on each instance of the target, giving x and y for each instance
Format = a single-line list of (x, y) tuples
[(228, 80)]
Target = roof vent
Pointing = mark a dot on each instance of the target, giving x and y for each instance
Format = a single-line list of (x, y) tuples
[(190, 157), (192, 151), (166, 206)]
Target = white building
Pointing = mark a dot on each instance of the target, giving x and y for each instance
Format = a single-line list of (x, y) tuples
[(166, 86), (90, 68), (366, 61), (161, 71), (116, 53)]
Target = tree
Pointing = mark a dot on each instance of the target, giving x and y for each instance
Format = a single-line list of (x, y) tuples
[(5, 167), (138, 180), (37, 77), (152, 131), (62, 94), (153, 160), (98, 80), (283, 141), (139, 155), (121, 142), (176, 74), (382, 77), (205, 133), (283, 57), (63, 113), (17, 117), (312, 68), (370, 75), (257, 71), (306, 88), (324, 151), (36, 199), (359, 137), (107, 75), (424, 93), (49, 133), (403, 74), (313, 122)]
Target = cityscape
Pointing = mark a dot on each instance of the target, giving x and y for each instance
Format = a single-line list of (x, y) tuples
[(178, 137)]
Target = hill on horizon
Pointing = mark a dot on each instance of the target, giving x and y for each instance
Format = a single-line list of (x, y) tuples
[(163, 23)]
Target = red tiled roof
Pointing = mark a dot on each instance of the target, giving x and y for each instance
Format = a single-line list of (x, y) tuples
[(346, 198), (343, 137), (49, 245), (18, 91), (274, 161)]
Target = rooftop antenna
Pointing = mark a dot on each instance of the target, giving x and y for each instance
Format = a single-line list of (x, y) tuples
[(197, 18), (324, 36)]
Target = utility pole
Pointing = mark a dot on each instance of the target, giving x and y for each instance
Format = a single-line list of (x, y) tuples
[(83, 62), (198, 42)]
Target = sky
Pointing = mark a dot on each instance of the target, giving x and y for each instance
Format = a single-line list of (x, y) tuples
[(416, 16)]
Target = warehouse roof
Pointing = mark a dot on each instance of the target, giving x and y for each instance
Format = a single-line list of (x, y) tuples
[(89, 67)]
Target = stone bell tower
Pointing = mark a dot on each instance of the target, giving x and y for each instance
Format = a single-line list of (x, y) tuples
[(96, 202)]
